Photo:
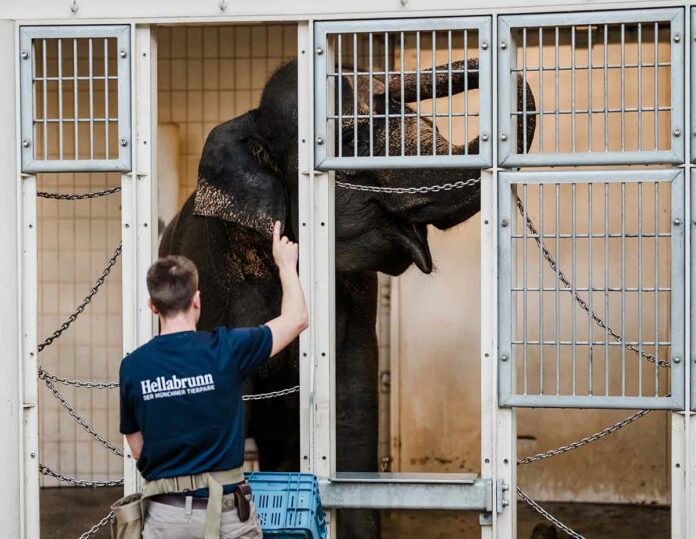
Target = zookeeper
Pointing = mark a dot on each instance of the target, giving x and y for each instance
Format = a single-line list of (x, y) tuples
[(182, 410)]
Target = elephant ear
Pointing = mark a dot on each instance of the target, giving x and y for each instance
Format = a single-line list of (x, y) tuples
[(238, 180)]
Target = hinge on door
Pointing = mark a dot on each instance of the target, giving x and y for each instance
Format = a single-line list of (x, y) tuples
[(502, 490)]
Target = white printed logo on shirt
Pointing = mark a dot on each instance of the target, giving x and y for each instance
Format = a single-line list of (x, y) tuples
[(163, 387)]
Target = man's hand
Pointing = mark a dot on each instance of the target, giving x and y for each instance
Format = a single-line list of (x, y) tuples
[(285, 252)]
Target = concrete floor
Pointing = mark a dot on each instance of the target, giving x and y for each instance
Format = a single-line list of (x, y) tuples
[(66, 513)]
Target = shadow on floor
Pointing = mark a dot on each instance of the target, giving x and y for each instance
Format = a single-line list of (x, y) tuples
[(66, 513)]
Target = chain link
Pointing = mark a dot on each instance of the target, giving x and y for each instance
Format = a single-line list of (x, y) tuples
[(78, 196), (44, 375), (272, 394), (98, 526), (77, 417), (581, 302), (410, 190), (88, 298), (45, 470), (548, 516)]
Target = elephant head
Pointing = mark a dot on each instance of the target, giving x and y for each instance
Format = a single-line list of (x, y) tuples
[(248, 169)]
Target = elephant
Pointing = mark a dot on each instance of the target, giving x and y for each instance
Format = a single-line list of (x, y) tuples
[(248, 178)]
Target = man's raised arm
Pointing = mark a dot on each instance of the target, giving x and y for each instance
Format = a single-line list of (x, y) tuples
[(293, 318)]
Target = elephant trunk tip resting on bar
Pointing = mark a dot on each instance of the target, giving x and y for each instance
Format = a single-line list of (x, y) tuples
[(248, 178)]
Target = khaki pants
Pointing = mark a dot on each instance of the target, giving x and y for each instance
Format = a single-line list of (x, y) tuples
[(168, 522)]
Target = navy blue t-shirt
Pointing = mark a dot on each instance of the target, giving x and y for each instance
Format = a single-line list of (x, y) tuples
[(183, 391)]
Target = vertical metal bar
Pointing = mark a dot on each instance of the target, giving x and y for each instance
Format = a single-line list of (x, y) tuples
[(418, 108), (339, 85), (623, 87), (59, 52), (76, 115), (590, 269), (524, 90), (45, 101), (541, 290), (623, 288), (590, 108), (558, 294), (525, 293), (640, 287), (541, 90), (466, 91), (655, 87), (575, 280), (572, 87), (106, 95), (434, 88), (355, 94), (556, 104), (449, 93), (91, 101), (386, 93), (606, 88), (640, 88), (369, 79), (656, 257), (403, 136), (606, 284)]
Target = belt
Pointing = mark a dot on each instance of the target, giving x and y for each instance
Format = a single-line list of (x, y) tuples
[(179, 500)]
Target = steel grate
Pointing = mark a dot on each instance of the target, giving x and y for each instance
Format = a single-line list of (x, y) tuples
[(608, 87), (591, 289), (403, 93), (75, 103)]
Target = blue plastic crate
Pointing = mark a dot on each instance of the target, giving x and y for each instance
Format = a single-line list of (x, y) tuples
[(288, 504)]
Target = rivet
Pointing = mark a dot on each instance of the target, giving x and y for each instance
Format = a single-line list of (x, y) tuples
[(123, 141), (25, 55), (677, 132), (504, 357), (123, 53), (503, 136), (145, 225), (693, 132), (503, 222), (484, 45), (404, 2), (223, 5), (505, 503), (26, 143), (32, 455), (505, 487), (503, 44), (677, 221), (320, 141), (320, 51), (484, 136), (677, 37), (676, 359), (127, 225), (305, 457), (74, 7)]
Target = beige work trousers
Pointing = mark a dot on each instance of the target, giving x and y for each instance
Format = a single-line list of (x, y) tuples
[(168, 522)]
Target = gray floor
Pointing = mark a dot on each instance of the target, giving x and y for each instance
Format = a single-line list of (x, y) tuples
[(68, 512)]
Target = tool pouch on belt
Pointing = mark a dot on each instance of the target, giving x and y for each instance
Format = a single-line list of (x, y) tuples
[(242, 499), (129, 517)]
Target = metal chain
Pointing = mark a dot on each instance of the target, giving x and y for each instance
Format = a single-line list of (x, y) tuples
[(44, 375), (410, 190), (78, 196), (272, 394), (581, 302), (548, 516), (588, 439), (88, 298), (45, 470), (98, 526), (81, 420)]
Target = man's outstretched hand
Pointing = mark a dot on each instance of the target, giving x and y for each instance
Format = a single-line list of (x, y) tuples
[(285, 252)]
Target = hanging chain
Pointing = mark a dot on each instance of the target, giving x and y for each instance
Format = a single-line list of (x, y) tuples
[(45, 470), (88, 298), (410, 190), (548, 516), (98, 526), (580, 301), (78, 196), (77, 417), (44, 375), (272, 394)]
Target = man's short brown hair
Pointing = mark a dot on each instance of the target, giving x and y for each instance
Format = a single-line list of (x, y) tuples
[(172, 282)]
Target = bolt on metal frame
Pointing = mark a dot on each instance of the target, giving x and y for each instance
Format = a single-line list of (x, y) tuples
[(608, 49), (58, 64), (591, 360), (355, 55)]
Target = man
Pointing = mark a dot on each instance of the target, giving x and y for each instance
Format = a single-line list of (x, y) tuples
[(181, 402)]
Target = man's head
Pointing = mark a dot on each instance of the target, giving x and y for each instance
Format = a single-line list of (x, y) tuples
[(172, 282)]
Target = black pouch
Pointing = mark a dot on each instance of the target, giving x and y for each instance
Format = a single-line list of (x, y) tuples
[(242, 499)]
